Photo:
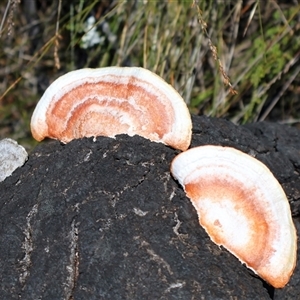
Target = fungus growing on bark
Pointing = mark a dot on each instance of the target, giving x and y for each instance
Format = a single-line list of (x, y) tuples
[(12, 156), (242, 207), (110, 101)]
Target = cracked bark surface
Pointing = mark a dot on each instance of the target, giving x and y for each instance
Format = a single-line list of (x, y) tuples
[(105, 220)]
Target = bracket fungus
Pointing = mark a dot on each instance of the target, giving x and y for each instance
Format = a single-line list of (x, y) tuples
[(12, 156), (242, 207), (110, 101)]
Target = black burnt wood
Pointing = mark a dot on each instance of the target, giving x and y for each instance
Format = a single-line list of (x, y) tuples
[(105, 219)]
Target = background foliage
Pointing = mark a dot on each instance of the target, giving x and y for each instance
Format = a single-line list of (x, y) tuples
[(193, 45)]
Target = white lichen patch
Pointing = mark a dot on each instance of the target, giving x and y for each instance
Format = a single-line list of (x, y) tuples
[(87, 156), (27, 246), (12, 156), (177, 285), (72, 267), (172, 195), (177, 226), (139, 212), (106, 224), (155, 257)]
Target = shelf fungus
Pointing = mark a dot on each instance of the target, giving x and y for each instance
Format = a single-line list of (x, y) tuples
[(242, 207), (12, 156), (110, 101)]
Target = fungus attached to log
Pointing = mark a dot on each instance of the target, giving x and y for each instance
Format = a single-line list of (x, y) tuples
[(242, 207), (111, 101)]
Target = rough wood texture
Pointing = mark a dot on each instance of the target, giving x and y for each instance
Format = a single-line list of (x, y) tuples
[(105, 220)]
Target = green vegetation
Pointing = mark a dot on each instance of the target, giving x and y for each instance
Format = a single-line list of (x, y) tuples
[(196, 46)]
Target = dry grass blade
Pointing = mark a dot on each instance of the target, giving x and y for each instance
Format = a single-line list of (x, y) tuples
[(10, 7), (281, 92), (4, 17), (213, 48), (252, 13), (57, 37)]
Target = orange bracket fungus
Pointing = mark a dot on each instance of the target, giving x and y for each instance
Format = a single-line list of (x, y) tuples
[(110, 101), (242, 207)]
